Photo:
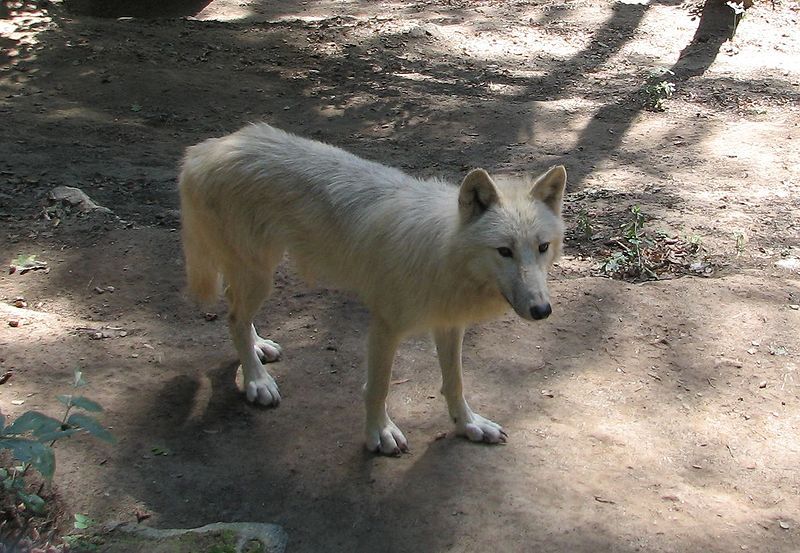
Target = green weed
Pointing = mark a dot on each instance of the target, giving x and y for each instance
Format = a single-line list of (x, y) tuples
[(584, 226), (641, 254), (656, 90), (30, 440)]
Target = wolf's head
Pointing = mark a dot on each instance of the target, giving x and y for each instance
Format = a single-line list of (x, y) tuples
[(515, 231)]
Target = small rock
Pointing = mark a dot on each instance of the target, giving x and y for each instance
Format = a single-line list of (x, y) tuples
[(20, 302), (17, 401), (775, 349), (794, 306), (75, 197), (25, 263), (790, 263), (784, 525), (13, 323), (762, 384)]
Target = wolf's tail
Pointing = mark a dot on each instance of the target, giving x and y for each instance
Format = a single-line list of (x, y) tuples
[(202, 270)]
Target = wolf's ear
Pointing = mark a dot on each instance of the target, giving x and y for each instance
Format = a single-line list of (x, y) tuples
[(478, 193), (549, 188)]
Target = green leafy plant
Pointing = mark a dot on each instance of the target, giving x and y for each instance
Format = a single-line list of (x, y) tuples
[(641, 254), (741, 240), (635, 240), (82, 522), (694, 240), (159, 450), (30, 440), (584, 226), (657, 89)]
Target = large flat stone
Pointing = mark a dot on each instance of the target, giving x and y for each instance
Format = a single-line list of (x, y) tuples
[(219, 537)]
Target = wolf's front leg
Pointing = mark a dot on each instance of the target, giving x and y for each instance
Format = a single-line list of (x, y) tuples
[(468, 423), (381, 433)]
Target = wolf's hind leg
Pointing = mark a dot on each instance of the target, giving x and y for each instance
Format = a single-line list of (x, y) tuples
[(468, 423), (267, 350), (246, 291)]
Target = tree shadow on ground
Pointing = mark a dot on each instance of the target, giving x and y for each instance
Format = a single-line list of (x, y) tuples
[(136, 8), (363, 99)]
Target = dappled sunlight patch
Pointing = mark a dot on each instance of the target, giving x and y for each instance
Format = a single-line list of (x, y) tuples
[(82, 112), (506, 89), (225, 10), (415, 76), (750, 156), (554, 126), (24, 23), (330, 111), (757, 27), (497, 44)]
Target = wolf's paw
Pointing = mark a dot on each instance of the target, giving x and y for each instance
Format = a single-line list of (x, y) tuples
[(386, 439), (479, 429), (267, 350), (261, 389)]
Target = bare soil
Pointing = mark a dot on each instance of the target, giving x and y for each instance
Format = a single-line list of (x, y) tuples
[(660, 416)]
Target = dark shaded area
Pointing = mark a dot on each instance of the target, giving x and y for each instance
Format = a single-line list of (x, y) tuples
[(136, 8)]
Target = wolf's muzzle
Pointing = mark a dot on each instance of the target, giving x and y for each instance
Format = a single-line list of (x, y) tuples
[(542, 311)]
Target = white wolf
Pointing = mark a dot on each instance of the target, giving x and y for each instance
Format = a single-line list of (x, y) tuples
[(422, 254)]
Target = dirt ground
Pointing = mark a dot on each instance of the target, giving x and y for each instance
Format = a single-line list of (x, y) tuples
[(658, 417)]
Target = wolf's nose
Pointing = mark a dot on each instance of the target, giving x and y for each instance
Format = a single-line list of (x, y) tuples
[(541, 311)]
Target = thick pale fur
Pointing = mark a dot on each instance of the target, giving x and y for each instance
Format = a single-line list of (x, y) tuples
[(422, 254)]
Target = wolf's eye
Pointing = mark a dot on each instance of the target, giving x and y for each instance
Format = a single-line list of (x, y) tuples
[(505, 252), (543, 247)]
